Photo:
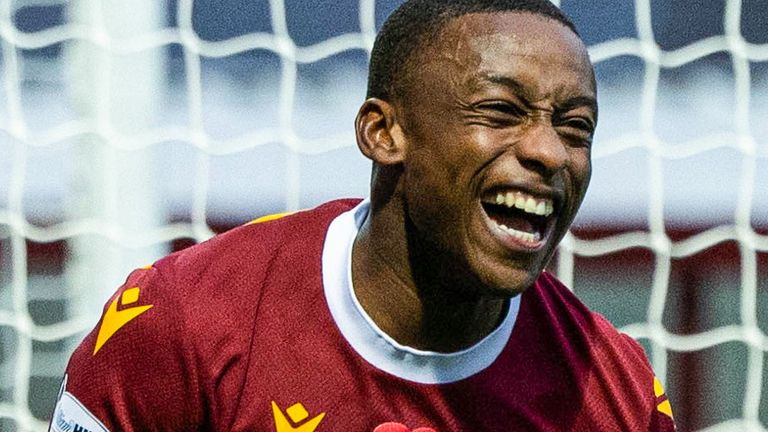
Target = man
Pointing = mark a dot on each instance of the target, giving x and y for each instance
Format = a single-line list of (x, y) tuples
[(425, 308)]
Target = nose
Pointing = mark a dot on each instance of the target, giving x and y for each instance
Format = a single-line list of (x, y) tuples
[(542, 150)]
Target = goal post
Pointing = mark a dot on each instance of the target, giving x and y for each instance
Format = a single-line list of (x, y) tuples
[(111, 180)]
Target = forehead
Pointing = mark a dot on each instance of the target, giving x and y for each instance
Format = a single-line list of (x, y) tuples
[(530, 48)]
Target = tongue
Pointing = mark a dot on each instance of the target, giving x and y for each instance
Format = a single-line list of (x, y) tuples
[(516, 223)]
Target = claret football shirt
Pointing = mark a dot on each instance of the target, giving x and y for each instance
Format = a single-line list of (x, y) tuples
[(258, 329)]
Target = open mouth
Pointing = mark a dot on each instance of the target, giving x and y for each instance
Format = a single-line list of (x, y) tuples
[(520, 215)]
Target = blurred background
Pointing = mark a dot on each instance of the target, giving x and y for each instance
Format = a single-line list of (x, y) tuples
[(129, 129)]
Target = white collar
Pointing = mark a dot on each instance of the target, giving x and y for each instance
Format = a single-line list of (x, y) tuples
[(375, 346)]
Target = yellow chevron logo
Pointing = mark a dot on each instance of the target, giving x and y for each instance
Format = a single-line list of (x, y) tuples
[(115, 319), (297, 414), (664, 406)]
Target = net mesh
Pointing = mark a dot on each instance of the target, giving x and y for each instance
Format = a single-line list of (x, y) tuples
[(24, 335)]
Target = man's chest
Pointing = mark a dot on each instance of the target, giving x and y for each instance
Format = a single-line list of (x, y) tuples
[(326, 387)]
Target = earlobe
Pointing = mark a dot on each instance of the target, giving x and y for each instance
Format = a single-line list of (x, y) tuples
[(379, 135)]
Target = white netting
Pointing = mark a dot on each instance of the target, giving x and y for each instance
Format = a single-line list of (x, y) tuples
[(25, 339)]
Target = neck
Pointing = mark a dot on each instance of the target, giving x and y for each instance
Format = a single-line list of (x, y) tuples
[(413, 292)]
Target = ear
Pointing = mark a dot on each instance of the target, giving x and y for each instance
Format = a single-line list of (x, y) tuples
[(379, 135)]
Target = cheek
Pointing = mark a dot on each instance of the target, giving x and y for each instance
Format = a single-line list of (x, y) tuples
[(436, 189), (579, 173), (444, 163), (583, 171), (441, 168), (426, 174), (490, 142)]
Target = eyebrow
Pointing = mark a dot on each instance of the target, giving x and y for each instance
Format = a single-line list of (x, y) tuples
[(517, 87)]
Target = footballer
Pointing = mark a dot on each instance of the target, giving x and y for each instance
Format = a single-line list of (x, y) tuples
[(424, 307)]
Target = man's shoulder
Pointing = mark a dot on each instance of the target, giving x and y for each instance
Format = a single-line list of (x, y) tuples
[(222, 279), (552, 292), (237, 261), (264, 234), (208, 292), (186, 321), (596, 333), (611, 368)]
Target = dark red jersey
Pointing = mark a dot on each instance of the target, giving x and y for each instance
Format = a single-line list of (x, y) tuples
[(258, 329)]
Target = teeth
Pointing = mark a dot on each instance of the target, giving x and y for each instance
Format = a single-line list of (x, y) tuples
[(520, 203), (528, 204), (522, 235), (510, 200)]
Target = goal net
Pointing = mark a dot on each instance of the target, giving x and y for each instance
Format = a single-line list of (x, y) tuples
[(131, 129)]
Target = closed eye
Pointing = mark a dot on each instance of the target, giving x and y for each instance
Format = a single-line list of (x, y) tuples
[(580, 124), (578, 130), (502, 108)]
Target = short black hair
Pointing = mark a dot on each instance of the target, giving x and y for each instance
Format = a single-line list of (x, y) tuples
[(408, 26)]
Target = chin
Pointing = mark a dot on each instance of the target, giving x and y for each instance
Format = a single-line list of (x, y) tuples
[(507, 282)]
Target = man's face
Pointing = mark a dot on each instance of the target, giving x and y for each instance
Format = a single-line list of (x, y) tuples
[(498, 113)]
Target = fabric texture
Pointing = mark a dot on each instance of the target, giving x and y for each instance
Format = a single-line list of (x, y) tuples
[(235, 334)]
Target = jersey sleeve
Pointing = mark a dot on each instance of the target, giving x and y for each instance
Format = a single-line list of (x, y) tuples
[(661, 416), (135, 371)]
